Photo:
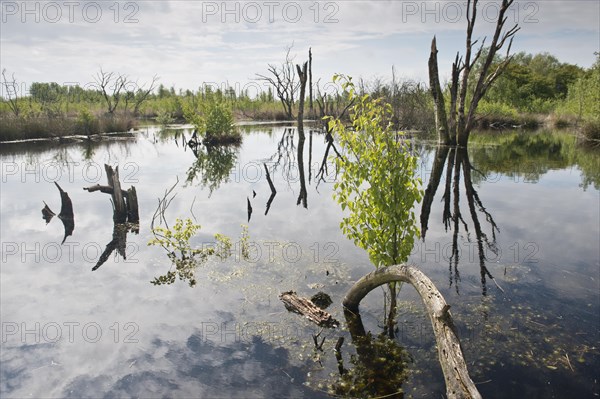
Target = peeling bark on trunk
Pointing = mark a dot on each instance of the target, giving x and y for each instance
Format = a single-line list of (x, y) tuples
[(456, 375)]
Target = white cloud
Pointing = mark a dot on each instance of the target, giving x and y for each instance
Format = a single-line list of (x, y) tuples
[(189, 42)]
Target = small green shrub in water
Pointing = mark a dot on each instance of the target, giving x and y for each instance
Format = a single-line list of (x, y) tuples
[(214, 121), (219, 118), (377, 181)]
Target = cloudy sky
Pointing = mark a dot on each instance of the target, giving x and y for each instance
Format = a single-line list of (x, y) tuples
[(189, 43)]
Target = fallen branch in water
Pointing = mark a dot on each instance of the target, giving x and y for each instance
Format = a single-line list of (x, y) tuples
[(306, 308), (456, 375)]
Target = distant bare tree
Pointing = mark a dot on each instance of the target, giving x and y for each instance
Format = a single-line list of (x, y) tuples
[(138, 97), (11, 89), (111, 85), (334, 104), (283, 79)]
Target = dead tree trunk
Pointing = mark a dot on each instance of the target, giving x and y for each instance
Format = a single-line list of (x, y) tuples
[(456, 375), (302, 197), (465, 98), (125, 213), (303, 76), (310, 85), (441, 123), (125, 203)]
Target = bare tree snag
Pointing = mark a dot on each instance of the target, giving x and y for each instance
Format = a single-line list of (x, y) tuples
[(110, 81), (125, 204), (456, 375), (441, 123), (284, 82), (126, 216), (133, 215), (306, 308), (464, 98), (302, 74), (310, 85), (11, 88)]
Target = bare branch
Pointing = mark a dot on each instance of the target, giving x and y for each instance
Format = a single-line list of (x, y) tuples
[(11, 91)]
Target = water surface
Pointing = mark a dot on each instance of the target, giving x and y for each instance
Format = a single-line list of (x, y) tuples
[(520, 268)]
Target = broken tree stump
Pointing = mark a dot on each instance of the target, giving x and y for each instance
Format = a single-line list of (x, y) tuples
[(305, 307), (454, 367), (126, 215), (125, 203)]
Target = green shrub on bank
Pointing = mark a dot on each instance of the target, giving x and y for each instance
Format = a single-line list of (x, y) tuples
[(498, 110)]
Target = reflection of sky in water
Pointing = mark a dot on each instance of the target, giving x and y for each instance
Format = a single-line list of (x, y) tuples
[(550, 228)]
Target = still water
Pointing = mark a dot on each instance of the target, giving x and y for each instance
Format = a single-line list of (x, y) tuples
[(511, 238)]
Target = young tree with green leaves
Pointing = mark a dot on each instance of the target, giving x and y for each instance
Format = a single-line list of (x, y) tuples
[(377, 181), (377, 184)]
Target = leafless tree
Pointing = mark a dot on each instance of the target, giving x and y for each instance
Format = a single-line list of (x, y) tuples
[(283, 80), (455, 128), (111, 85), (136, 98), (11, 89), (334, 104)]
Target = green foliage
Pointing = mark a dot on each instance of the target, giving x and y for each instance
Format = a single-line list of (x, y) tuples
[(192, 116), (88, 123), (164, 117), (532, 83), (212, 118), (529, 156), (218, 118), (583, 99), (213, 165), (496, 109), (377, 181), (184, 257), (378, 371)]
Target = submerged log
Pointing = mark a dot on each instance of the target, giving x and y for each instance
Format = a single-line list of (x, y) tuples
[(456, 375), (306, 308)]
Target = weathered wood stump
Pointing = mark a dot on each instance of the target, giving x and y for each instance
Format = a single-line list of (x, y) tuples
[(125, 204), (456, 375), (306, 308), (126, 215)]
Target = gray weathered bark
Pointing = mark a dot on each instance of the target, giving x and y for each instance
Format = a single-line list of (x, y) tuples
[(464, 98), (456, 375), (441, 121)]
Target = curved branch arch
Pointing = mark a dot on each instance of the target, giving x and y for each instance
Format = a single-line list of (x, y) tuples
[(456, 375)]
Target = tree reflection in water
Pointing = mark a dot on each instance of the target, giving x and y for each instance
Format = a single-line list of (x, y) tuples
[(458, 164), (379, 366), (213, 163)]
